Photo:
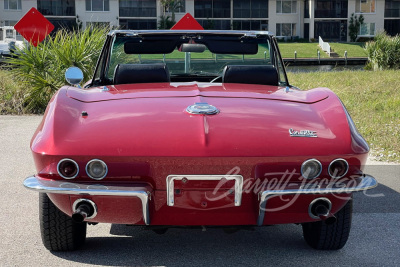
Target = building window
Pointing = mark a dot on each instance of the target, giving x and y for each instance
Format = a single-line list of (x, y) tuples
[(212, 8), (285, 29), (97, 5), (63, 23), (241, 9), (203, 8), (138, 24), (365, 6), (286, 7), (210, 24), (250, 8), (367, 29), (9, 33), (335, 30), (306, 9), (392, 26), (56, 8), (12, 4), (306, 31), (10, 22), (392, 8), (246, 25), (137, 8), (331, 8)]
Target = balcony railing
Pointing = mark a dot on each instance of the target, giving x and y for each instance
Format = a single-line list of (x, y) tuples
[(392, 13), (56, 8), (137, 12), (323, 13)]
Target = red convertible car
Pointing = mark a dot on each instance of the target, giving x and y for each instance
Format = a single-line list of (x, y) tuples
[(195, 129)]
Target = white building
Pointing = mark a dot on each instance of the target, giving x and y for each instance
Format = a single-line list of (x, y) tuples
[(303, 18)]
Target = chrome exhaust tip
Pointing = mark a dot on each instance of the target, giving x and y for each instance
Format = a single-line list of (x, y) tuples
[(320, 208), (83, 209)]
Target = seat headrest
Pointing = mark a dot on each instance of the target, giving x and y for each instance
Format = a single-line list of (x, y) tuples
[(250, 74), (141, 73)]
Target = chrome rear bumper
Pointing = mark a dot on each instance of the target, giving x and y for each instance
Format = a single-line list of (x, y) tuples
[(143, 193), (68, 188), (366, 182)]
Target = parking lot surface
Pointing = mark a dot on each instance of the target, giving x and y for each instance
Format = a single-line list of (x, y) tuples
[(374, 238)]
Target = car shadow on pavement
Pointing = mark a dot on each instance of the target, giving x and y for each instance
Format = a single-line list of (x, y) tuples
[(133, 245), (183, 247)]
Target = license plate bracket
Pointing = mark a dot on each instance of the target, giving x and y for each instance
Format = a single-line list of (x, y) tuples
[(238, 179)]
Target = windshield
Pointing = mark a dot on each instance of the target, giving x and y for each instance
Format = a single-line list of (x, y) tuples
[(191, 57), (189, 63)]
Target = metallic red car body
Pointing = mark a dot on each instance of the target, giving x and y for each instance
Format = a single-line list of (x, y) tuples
[(166, 167)]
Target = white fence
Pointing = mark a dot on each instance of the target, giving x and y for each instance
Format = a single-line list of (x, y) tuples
[(325, 46)]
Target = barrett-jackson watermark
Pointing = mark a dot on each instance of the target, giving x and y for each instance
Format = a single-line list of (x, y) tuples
[(277, 185)]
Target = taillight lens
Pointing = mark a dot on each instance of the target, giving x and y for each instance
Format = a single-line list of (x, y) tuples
[(67, 168), (338, 168), (311, 169), (96, 169)]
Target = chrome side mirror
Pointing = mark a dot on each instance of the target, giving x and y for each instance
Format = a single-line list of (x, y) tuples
[(74, 75)]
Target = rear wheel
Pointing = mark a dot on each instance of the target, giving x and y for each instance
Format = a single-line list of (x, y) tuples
[(59, 232), (323, 236)]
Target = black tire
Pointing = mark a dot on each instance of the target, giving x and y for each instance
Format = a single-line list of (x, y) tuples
[(59, 232), (320, 235)]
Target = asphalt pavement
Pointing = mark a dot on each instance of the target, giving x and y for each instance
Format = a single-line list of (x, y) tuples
[(374, 238)]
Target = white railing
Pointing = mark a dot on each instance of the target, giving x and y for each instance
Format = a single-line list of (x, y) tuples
[(325, 46)]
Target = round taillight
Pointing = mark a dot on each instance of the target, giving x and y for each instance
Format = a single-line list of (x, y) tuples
[(338, 168), (311, 169), (96, 169), (67, 168)]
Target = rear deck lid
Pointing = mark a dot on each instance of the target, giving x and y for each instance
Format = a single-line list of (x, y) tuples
[(165, 90)]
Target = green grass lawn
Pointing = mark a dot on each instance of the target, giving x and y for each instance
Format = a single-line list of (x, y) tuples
[(309, 50), (304, 50), (372, 99), (353, 49)]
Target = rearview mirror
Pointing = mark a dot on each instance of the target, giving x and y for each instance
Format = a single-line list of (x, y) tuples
[(195, 48), (74, 75)]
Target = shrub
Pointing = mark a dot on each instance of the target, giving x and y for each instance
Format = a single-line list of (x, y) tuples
[(384, 52), (11, 94), (171, 6), (165, 22), (354, 26), (41, 69)]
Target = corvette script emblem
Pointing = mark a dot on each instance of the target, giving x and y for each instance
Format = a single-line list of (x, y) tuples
[(302, 133)]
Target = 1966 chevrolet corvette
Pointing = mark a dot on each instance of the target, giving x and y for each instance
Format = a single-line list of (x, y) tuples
[(195, 128)]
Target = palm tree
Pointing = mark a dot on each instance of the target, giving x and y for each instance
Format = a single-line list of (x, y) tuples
[(171, 6)]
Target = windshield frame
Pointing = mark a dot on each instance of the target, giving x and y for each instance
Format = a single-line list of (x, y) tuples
[(103, 63)]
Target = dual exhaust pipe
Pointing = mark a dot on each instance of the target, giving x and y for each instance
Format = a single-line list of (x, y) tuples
[(320, 208), (83, 209)]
